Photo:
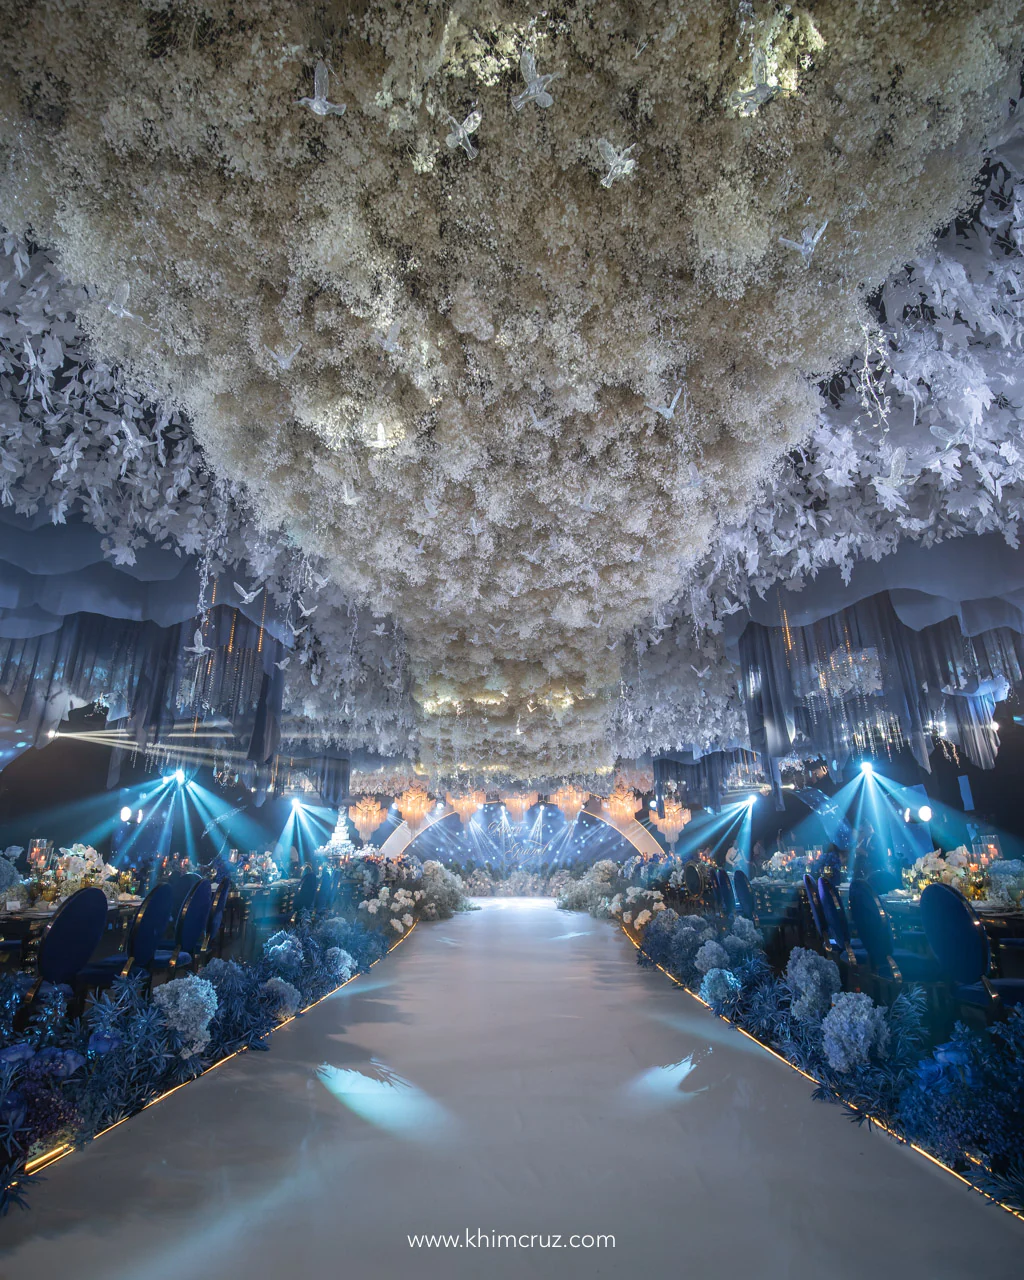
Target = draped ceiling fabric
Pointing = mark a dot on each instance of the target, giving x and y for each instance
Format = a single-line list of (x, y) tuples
[(860, 680)]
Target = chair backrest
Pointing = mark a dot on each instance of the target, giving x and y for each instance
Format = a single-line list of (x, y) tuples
[(837, 930), (744, 894), (323, 890), (149, 924), (883, 881), (333, 894), (692, 878), (72, 936), (194, 915), (305, 895), (220, 901), (726, 899), (872, 923), (811, 889), (955, 934), (181, 886)]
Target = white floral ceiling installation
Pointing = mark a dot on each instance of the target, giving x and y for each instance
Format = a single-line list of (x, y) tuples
[(505, 365)]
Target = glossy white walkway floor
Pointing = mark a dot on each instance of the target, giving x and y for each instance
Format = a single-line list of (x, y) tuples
[(553, 1088)]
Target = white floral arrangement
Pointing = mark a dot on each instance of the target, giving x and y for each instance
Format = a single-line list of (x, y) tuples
[(637, 906), (188, 1005), (305, 324), (946, 868), (853, 1031), (82, 867)]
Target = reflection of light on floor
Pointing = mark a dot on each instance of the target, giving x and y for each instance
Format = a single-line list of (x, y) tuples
[(450, 942), (577, 933), (718, 1032), (514, 904), (383, 1098), (661, 1085)]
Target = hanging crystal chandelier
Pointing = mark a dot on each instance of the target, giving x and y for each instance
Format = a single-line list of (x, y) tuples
[(366, 815), (570, 800), (516, 803), (676, 817), (466, 803), (621, 806), (414, 805)]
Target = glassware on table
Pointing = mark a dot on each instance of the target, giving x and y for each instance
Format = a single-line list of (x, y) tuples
[(40, 854)]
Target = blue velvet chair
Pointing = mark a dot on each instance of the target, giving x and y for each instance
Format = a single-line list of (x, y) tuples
[(874, 928), (837, 928), (724, 893), (324, 892), (305, 895), (744, 895), (189, 932), (693, 880), (181, 887), (961, 945), (144, 936), (216, 921), (817, 919), (71, 937)]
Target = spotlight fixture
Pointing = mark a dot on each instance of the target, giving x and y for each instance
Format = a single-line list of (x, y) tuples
[(126, 814), (924, 814), (867, 768), (179, 776), (296, 804), (751, 801)]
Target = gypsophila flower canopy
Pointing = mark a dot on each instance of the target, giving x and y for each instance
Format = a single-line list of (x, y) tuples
[(500, 312)]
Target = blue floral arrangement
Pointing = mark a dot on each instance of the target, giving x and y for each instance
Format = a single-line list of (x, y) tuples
[(62, 1080), (963, 1101)]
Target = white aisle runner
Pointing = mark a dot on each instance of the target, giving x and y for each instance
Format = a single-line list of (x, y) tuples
[(509, 1072)]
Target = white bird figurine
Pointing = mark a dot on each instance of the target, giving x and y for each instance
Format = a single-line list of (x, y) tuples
[(948, 438), (379, 629), (247, 597), (285, 361), (747, 101), (389, 340), (307, 613), (536, 86), (459, 136), (539, 424), (197, 646), (297, 631), (380, 439), (807, 243), (419, 549), (668, 412), (282, 665), (620, 163), (701, 675), (320, 579), (118, 304), (897, 463), (318, 104)]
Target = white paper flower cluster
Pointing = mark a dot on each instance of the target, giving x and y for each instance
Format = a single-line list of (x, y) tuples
[(503, 362)]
